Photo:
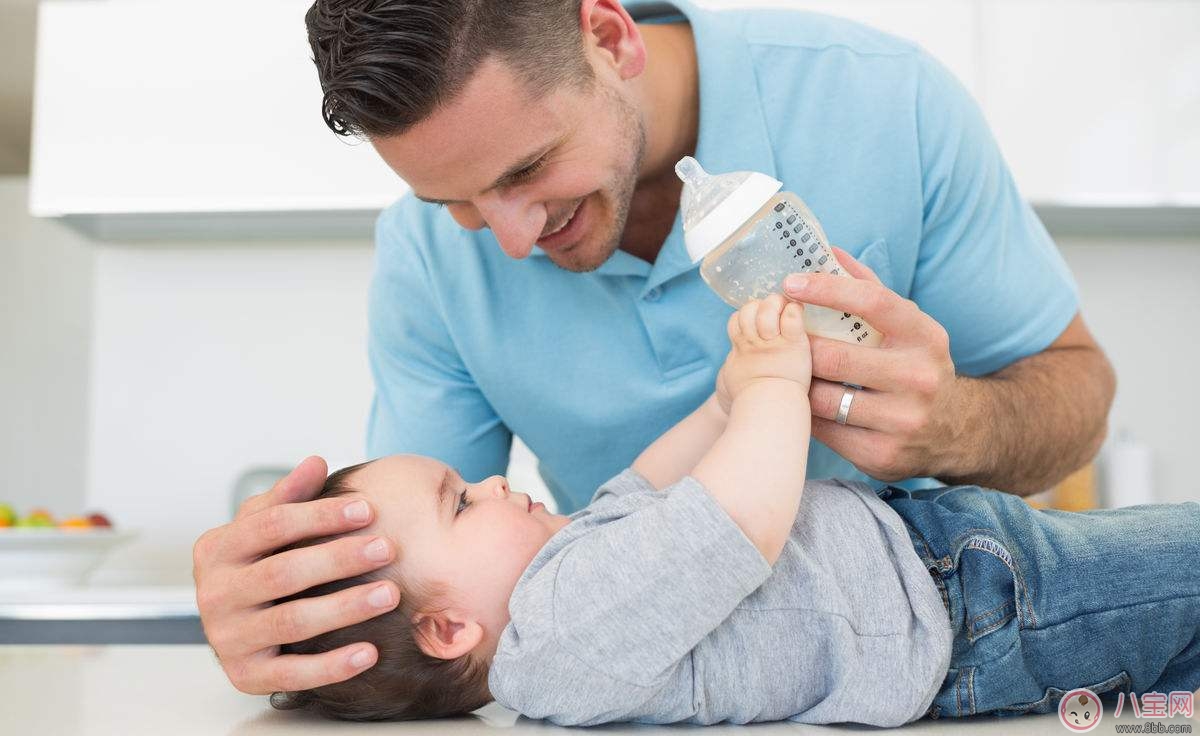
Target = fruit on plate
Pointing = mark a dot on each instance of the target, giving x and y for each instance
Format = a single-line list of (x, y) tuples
[(40, 517), (37, 517), (98, 519)]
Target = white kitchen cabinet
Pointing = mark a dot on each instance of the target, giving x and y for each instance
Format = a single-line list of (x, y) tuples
[(153, 106), (1095, 102), (164, 117)]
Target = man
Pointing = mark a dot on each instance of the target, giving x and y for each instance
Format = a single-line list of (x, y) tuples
[(557, 302)]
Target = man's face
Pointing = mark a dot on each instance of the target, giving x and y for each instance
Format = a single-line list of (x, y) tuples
[(558, 172), (477, 538)]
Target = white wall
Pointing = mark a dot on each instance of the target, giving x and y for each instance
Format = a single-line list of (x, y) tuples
[(1138, 298), (208, 358), (46, 277), (212, 358), (215, 357)]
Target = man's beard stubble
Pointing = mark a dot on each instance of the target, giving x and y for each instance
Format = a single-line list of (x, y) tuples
[(623, 185)]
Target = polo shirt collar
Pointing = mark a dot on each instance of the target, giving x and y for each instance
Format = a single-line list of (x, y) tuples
[(733, 131)]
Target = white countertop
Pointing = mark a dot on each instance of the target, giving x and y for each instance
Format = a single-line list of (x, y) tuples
[(179, 690), (100, 602)]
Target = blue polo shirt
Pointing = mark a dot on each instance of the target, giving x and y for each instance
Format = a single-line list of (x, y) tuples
[(468, 346)]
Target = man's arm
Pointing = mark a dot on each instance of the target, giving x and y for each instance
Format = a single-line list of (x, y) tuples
[(963, 387), (1020, 429), (1066, 390), (426, 400)]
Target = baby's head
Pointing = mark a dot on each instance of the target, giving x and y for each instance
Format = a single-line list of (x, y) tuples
[(460, 549)]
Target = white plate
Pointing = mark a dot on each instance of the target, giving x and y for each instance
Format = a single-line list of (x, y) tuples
[(40, 558)]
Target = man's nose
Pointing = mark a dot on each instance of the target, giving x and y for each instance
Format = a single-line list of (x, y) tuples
[(466, 215), (516, 222)]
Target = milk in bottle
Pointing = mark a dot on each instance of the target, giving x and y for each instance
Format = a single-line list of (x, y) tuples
[(749, 236)]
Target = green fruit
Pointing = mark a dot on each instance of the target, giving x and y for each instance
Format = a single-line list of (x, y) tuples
[(36, 520), (8, 516)]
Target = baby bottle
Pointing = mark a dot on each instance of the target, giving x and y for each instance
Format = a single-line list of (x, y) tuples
[(750, 238)]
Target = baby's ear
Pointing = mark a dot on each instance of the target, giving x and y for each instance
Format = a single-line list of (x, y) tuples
[(446, 634)]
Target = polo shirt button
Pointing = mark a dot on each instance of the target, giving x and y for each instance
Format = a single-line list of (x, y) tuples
[(654, 294)]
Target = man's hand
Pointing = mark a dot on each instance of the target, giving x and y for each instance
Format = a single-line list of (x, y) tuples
[(238, 576), (909, 407), (767, 340)]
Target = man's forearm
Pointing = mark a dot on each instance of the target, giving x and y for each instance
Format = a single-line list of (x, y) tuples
[(1028, 426)]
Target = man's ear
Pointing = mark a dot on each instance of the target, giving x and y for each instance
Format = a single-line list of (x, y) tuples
[(609, 30), (446, 634)]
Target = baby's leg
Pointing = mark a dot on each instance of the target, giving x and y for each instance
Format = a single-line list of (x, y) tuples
[(1043, 602)]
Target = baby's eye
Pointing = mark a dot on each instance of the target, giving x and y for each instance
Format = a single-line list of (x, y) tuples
[(462, 502)]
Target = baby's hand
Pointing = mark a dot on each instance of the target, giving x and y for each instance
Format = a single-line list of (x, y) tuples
[(767, 341)]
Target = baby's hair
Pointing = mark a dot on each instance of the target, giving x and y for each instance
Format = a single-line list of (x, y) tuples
[(405, 683)]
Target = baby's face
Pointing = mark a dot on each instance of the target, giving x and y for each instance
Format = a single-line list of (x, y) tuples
[(477, 538)]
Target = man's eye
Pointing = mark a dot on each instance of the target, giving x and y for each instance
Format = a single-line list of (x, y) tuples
[(529, 171), (462, 502)]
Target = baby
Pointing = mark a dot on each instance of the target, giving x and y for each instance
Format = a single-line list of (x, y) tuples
[(709, 582)]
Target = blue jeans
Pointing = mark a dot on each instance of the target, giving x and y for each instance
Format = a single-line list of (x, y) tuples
[(1043, 602)]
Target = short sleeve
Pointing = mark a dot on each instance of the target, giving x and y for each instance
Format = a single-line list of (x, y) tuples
[(987, 269), (627, 481), (425, 402)]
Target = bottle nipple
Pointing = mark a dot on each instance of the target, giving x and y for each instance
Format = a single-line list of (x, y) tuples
[(714, 205), (690, 171), (703, 192)]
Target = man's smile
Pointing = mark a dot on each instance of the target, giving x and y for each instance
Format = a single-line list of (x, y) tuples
[(566, 221), (569, 231)]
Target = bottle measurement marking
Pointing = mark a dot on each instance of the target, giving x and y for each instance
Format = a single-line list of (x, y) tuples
[(796, 234), (799, 237)]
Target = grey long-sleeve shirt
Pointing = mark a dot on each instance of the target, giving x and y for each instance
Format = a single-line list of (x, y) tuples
[(654, 606)]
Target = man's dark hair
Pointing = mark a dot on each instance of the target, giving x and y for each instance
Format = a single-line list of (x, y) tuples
[(405, 683), (385, 65)]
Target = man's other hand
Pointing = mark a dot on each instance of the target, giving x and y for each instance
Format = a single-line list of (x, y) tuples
[(239, 575)]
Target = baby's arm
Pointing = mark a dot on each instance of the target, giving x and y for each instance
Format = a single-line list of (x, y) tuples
[(676, 452), (755, 469)]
